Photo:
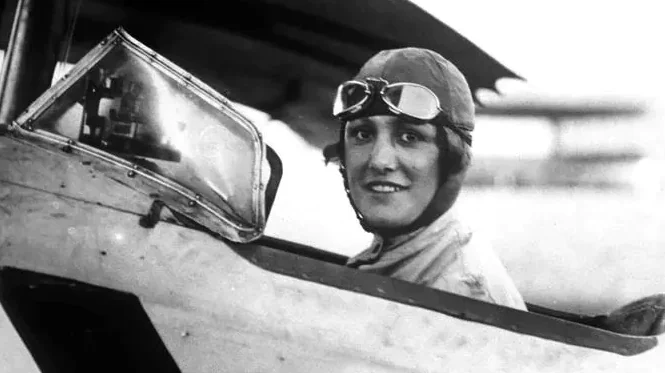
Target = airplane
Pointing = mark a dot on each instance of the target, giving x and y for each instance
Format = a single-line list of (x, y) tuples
[(122, 249)]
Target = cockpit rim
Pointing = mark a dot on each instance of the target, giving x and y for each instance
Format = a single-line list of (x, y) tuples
[(320, 266)]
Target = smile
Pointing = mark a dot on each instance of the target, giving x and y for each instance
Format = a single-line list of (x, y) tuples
[(384, 187)]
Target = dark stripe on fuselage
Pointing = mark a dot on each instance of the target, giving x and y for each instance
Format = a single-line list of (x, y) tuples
[(70, 326)]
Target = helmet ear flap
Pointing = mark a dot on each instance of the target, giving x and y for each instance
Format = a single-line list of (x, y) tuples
[(335, 152), (340, 144), (454, 153)]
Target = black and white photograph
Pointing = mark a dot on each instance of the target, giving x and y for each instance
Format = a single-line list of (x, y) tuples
[(343, 186)]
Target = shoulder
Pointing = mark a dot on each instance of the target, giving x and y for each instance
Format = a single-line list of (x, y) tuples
[(484, 268), (473, 243)]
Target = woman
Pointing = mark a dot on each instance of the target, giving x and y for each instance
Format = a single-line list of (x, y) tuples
[(404, 150)]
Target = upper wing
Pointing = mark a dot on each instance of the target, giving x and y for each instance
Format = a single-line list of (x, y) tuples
[(284, 57)]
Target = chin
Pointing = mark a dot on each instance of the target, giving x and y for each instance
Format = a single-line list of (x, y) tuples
[(385, 222)]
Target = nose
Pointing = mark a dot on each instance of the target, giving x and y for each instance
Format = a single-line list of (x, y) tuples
[(383, 156)]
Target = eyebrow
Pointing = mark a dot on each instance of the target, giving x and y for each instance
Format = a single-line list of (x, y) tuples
[(359, 121), (422, 127)]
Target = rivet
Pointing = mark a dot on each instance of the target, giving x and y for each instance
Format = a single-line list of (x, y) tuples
[(192, 203), (131, 173)]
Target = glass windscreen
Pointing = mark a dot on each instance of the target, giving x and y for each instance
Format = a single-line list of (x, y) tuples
[(126, 105)]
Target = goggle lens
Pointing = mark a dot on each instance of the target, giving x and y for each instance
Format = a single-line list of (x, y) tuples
[(411, 99), (350, 97)]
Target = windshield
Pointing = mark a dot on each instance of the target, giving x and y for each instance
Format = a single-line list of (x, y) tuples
[(130, 102)]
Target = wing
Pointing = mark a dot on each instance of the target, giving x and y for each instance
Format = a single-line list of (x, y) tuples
[(282, 57), (558, 109)]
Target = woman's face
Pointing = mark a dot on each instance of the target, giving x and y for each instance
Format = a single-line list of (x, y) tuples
[(392, 168)]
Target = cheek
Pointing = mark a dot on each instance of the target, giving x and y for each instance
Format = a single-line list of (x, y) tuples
[(354, 179), (354, 162), (424, 169)]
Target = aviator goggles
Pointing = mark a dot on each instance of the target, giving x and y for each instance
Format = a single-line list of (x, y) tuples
[(408, 99)]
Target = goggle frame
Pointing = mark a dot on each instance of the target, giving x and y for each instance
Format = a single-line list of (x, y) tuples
[(370, 85)]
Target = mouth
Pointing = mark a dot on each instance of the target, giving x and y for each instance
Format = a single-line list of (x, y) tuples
[(384, 187)]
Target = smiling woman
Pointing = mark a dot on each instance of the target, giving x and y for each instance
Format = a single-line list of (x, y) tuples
[(392, 169), (404, 149)]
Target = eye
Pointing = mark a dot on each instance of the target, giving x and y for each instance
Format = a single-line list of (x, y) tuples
[(360, 134), (409, 137)]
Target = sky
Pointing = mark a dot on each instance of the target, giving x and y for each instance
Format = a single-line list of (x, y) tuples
[(568, 49)]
